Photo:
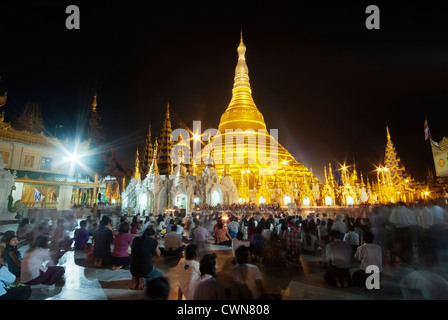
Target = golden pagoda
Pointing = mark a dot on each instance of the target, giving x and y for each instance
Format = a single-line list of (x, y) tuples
[(391, 160), (243, 146), (393, 183)]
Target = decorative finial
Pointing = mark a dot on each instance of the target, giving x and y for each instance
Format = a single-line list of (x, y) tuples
[(241, 48)]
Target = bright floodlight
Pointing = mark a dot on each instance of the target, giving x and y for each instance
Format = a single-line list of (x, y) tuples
[(74, 157)]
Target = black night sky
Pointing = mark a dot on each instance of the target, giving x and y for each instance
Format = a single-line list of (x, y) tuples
[(318, 75)]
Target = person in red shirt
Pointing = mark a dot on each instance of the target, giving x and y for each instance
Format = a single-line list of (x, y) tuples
[(135, 225)]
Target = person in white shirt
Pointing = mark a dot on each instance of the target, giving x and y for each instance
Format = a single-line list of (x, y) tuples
[(173, 243), (338, 255), (247, 277), (37, 266), (322, 233), (239, 241), (179, 229), (168, 218), (201, 234), (266, 232), (404, 221), (339, 225), (369, 254), (233, 227), (188, 272), (352, 238)]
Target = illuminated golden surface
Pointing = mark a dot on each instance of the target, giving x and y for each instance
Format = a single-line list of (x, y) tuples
[(242, 112), (154, 169), (137, 170), (245, 146)]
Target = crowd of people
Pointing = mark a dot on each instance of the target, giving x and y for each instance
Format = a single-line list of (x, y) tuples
[(266, 236)]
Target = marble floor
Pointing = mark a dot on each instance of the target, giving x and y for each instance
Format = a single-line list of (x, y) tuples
[(301, 280)]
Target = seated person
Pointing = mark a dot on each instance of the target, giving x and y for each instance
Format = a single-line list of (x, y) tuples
[(338, 257), (81, 236), (173, 243), (309, 244), (247, 277), (158, 289), (368, 254), (352, 238), (24, 230), (257, 243), (206, 287), (13, 257), (222, 235)]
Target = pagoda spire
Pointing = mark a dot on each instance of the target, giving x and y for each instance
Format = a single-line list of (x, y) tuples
[(391, 160), (362, 180), (325, 175), (94, 103), (154, 169), (137, 170), (355, 173), (164, 160), (242, 113), (147, 154), (95, 127)]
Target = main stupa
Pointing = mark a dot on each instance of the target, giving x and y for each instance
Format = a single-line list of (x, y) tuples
[(263, 170)]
